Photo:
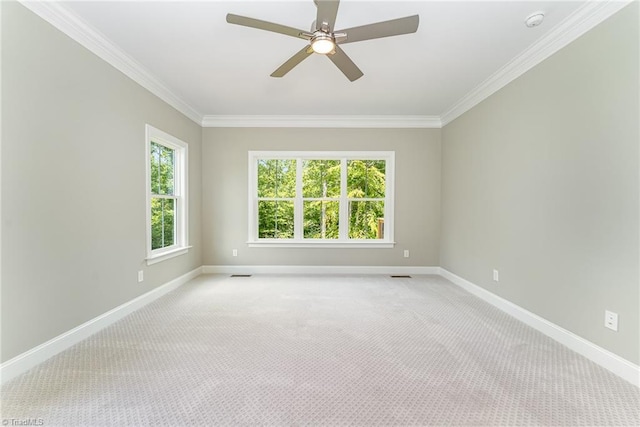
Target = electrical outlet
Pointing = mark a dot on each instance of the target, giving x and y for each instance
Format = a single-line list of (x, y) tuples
[(496, 276), (406, 253), (611, 320), (235, 252), (140, 276)]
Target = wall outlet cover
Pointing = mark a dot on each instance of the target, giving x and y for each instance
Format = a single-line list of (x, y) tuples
[(611, 320)]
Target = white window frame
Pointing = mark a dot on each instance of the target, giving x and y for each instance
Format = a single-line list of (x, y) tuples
[(343, 241), (181, 179)]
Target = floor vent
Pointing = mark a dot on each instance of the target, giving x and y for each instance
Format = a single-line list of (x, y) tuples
[(240, 275), (401, 277)]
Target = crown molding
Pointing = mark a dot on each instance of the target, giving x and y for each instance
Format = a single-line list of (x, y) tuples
[(302, 121), (575, 25), (67, 22)]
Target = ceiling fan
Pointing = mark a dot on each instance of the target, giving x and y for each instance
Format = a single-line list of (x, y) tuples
[(324, 40)]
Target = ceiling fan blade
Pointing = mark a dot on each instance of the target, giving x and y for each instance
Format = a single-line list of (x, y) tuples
[(345, 64), (292, 62), (327, 11), (264, 25), (394, 27)]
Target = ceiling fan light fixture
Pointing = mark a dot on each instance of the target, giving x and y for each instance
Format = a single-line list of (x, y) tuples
[(322, 44)]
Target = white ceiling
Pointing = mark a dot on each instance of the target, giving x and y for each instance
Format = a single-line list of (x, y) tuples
[(221, 69)]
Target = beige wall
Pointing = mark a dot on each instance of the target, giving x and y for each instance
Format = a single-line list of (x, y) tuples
[(540, 181), (417, 196), (73, 196)]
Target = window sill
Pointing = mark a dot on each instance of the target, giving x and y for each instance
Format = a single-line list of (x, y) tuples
[(320, 244), (156, 258)]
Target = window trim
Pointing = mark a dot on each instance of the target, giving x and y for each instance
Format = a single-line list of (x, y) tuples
[(386, 242), (181, 190)]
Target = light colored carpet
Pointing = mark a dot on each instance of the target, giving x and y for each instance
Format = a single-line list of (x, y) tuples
[(300, 350)]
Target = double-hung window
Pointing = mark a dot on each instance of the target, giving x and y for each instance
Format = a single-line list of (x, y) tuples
[(323, 199), (166, 161)]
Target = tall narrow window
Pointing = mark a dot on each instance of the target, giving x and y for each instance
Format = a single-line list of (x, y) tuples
[(366, 181), (166, 196), (321, 199), (163, 196), (329, 199), (276, 192)]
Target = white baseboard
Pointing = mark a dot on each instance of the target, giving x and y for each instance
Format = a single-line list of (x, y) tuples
[(27, 360), (316, 269), (614, 363)]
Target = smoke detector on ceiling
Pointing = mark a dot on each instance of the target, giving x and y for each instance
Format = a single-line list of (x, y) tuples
[(534, 20)]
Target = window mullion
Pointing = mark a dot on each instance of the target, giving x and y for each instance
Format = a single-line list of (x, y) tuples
[(298, 205), (389, 202), (253, 197), (343, 233)]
